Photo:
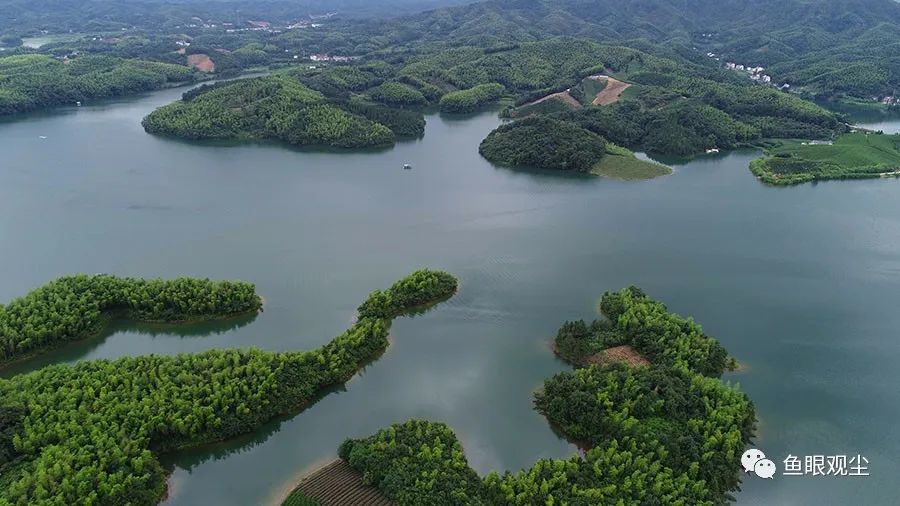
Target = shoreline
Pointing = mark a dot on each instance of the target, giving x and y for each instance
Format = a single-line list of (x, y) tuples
[(110, 317)]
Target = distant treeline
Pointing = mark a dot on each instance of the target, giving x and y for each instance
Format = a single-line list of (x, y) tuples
[(32, 81)]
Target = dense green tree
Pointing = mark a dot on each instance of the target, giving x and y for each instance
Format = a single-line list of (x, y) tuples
[(32, 81), (397, 94), (544, 143), (274, 107), (76, 307), (472, 98), (90, 433)]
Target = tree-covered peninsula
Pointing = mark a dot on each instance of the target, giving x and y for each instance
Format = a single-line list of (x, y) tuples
[(90, 433), (670, 106), (35, 81), (280, 107), (857, 155), (546, 143), (669, 432), (77, 307)]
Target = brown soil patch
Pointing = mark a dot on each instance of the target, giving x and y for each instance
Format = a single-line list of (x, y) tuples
[(201, 62), (180, 50), (562, 96), (624, 353), (610, 94)]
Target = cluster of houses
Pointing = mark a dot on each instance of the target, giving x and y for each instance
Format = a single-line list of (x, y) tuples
[(197, 22), (253, 26), (891, 101), (300, 25), (258, 25), (756, 73), (328, 57)]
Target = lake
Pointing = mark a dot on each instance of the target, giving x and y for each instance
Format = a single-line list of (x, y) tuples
[(799, 283), (870, 116)]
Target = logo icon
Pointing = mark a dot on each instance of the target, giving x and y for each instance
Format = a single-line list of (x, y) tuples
[(755, 461)]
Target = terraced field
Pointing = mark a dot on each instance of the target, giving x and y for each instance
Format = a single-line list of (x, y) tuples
[(335, 484)]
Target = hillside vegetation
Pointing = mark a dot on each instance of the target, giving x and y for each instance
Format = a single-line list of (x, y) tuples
[(851, 156), (673, 106), (33, 81), (682, 110), (91, 433), (831, 49), (471, 99), (667, 433), (825, 48)]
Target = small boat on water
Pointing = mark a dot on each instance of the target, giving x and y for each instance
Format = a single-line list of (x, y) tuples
[(43, 136), (713, 150), (407, 166)]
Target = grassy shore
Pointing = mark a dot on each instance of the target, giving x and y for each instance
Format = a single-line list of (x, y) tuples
[(620, 163), (851, 156)]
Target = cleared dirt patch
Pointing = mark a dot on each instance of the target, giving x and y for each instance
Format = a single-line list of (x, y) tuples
[(562, 96), (201, 62), (611, 92), (338, 484), (624, 353)]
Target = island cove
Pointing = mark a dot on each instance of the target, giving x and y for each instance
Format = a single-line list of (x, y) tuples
[(79, 307), (91, 432), (662, 429), (655, 414)]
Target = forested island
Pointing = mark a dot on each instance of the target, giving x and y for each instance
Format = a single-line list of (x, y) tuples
[(669, 432), (281, 107), (78, 307), (856, 155), (92, 432)]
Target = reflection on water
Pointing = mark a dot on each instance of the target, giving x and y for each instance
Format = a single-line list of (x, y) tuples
[(871, 116), (195, 456), (798, 283), (126, 330)]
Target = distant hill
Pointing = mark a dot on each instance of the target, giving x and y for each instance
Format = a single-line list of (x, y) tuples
[(828, 47), (26, 17)]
